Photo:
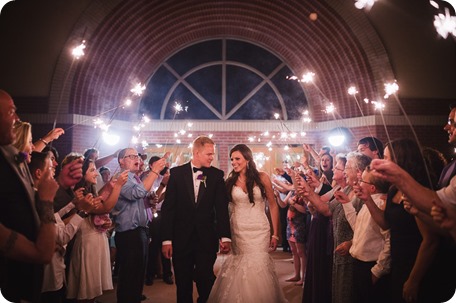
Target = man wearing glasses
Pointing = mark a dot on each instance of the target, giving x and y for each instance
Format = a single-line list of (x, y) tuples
[(131, 217)]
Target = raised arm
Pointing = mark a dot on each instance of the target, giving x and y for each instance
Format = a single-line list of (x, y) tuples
[(107, 205), (420, 196)]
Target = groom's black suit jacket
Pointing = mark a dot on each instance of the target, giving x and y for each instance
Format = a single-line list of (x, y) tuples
[(191, 225)]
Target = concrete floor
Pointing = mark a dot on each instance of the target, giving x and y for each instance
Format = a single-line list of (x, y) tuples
[(160, 292)]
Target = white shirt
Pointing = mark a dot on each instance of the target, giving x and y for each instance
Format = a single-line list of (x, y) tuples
[(370, 242), (448, 194), (196, 182), (54, 272)]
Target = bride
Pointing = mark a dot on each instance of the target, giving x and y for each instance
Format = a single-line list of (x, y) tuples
[(248, 274)]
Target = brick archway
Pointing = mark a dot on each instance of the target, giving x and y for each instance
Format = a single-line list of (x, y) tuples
[(128, 40)]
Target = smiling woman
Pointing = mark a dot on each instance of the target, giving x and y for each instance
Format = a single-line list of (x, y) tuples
[(23, 142)]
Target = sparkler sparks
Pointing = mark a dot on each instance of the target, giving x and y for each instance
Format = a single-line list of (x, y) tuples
[(445, 24), (306, 117), (178, 107), (390, 89), (367, 4), (307, 78), (138, 89), (330, 108), (78, 51), (352, 91), (378, 105)]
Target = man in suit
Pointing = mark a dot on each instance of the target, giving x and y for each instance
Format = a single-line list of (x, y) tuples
[(27, 231), (194, 220)]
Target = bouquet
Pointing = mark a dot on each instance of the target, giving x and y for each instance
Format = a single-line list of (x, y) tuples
[(101, 222)]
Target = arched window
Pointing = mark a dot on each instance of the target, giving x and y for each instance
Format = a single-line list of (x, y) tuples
[(223, 80)]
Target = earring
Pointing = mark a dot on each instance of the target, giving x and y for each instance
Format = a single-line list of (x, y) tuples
[(247, 165)]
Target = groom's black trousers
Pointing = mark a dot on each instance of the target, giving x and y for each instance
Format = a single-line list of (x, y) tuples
[(196, 266)]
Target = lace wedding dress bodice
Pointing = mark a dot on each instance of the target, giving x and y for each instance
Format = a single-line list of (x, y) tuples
[(248, 273)]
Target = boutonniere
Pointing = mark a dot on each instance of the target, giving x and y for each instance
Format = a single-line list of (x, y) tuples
[(20, 157), (202, 178)]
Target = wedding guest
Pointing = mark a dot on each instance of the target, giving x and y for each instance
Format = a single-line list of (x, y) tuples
[(296, 234), (436, 246), (131, 219), (27, 234), (318, 279), (90, 266), (281, 187), (371, 147), (408, 254), (23, 142), (54, 281), (370, 245), (54, 156), (70, 163), (47, 140), (342, 274), (324, 160), (155, 245), (93, 153), (105, 174)]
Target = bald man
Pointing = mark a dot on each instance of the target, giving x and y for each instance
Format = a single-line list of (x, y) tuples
[(27, 231)]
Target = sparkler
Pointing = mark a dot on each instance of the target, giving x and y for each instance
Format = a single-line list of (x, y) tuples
[(380, 107), (352, 91), (391, 89), (138, 127), (77, 53), (177, 109)]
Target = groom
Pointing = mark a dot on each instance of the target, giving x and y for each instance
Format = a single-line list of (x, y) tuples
[(194, 219)]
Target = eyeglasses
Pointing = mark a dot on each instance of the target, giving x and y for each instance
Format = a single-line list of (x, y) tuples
[(366, 182), (336, 168), (132, 157)]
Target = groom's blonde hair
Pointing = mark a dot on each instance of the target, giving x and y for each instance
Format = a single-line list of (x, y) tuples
[(200, 141)]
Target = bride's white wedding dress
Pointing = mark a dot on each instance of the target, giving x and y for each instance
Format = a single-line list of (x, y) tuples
[(248, 273)]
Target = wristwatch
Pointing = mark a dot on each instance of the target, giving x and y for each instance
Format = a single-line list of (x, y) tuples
[(82, 214)]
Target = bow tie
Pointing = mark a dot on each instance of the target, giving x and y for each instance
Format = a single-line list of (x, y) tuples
[(195, 169)]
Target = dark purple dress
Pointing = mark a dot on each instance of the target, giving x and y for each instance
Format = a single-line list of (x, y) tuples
[(317, 283)]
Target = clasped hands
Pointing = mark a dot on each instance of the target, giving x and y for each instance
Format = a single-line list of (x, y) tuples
[(225, 247), (86, 202)]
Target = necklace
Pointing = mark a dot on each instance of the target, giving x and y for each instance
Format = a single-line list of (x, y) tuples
[(240, 179)]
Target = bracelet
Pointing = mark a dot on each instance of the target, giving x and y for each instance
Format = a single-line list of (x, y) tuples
[(275, 237), (44, 141), (9, 242), (154, 172), (45, 211)]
